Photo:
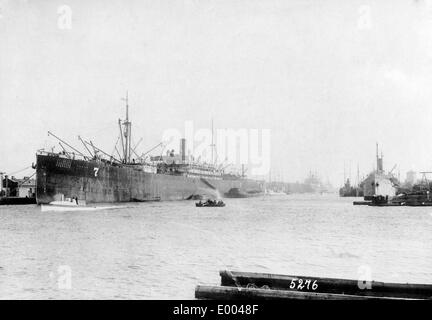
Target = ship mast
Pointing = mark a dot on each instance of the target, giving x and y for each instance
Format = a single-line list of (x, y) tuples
[(377, 158), (127, 133)]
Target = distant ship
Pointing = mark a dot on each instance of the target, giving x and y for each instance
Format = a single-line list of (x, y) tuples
[(349, 190), (378, 182), (313, 184), (103, 178)]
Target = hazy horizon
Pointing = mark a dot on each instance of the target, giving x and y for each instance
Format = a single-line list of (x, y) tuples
[(330, 79)]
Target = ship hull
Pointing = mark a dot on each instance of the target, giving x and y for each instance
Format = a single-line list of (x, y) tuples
[(100, 182), (378, 184)]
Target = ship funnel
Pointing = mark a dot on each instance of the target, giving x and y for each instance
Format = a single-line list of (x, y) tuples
[(380, 166)]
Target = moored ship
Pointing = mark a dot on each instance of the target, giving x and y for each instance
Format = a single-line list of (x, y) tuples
[(313, 184), (103, 178), (349, 190), (379, 183)]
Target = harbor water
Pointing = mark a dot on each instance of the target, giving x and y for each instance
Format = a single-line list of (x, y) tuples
[(162, 250)]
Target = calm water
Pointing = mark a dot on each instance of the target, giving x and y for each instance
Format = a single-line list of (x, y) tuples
[(163, 250)]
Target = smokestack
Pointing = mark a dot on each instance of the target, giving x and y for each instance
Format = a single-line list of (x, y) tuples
[(379, 160), (381, 166)]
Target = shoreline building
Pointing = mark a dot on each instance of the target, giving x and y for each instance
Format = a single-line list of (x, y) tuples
[(411, 179), (14, 187)]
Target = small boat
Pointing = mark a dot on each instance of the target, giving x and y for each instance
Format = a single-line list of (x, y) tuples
[(71, 205), (237, 193), (362, 203), (195, 197), (210, 203), (155, 199)]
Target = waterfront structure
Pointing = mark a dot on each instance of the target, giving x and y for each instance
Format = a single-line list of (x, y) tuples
[(26, 187), (9, 186), (411, 178)]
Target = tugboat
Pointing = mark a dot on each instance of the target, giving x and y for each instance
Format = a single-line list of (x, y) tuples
[(210, 203)]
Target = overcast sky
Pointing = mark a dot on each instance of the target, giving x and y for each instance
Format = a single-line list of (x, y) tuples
[(328, 78)]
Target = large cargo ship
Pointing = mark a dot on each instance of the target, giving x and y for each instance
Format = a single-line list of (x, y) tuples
[(102, 178)]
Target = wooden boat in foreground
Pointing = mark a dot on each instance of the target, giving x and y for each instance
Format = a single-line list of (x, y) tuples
[(234, 293), (248, 285)]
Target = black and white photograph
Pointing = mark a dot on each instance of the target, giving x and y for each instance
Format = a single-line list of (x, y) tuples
[(216, 150)]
